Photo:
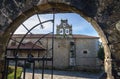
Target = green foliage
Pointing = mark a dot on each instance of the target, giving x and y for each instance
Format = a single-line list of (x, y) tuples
[(101, 53), (11, 74), (10, 70)]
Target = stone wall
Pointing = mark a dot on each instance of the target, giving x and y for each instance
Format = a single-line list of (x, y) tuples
[(87, 60), (106, 13), (62, 50)]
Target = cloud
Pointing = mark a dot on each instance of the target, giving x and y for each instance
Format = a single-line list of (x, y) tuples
[(32, 21), (20, 30), (80, 25)]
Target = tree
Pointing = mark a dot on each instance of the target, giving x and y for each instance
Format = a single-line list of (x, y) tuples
[(101, 53)]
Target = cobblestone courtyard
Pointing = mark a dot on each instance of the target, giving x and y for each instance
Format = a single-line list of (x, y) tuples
[(61, 75)]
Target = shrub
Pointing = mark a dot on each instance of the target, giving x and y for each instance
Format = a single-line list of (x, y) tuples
[(101, 53), (18, 74)]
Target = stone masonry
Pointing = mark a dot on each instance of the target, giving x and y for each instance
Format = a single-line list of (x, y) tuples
[(104, 15)]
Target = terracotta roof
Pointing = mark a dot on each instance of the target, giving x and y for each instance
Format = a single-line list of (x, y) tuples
[(49, 36), (84, 36), (26, 46)]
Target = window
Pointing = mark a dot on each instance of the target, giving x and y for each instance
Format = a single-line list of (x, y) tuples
[(85, 51), (67, 31), (61, 31)]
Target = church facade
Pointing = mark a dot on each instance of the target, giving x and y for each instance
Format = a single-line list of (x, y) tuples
[(70, 50)]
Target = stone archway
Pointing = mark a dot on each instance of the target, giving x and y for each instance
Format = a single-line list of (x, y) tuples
[(12, 21)]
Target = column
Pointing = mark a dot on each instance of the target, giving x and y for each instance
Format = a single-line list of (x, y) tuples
[(108, 61), (1, 68), (1, 62), (1, 59)]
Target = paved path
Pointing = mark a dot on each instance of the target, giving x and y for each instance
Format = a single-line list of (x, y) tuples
[(61, 75)]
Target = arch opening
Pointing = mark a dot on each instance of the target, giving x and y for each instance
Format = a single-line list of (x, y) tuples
[(26, 15)]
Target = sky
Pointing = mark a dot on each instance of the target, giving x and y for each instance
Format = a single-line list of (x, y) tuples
[(79, 24)]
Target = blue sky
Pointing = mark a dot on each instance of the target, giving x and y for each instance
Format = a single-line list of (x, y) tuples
[(79, 24)]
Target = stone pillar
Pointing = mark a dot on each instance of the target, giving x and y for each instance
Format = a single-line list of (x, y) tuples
[(108, 62), (1, 62), (108, 68), (1, 57), (1, 68)]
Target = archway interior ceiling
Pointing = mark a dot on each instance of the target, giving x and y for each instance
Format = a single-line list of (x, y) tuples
[(105, 12)]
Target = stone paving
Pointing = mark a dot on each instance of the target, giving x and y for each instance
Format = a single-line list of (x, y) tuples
[(61, 75)]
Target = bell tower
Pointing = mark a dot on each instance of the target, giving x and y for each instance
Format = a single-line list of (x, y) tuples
[(64, 28)]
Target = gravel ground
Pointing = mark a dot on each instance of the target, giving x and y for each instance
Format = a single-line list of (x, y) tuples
[(60, 75)]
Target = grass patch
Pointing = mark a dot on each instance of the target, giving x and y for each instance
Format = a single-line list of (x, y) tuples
[(11, 72)]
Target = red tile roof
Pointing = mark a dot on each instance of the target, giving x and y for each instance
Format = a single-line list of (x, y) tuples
[(49, 36), (26, 46), (84, 36)]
